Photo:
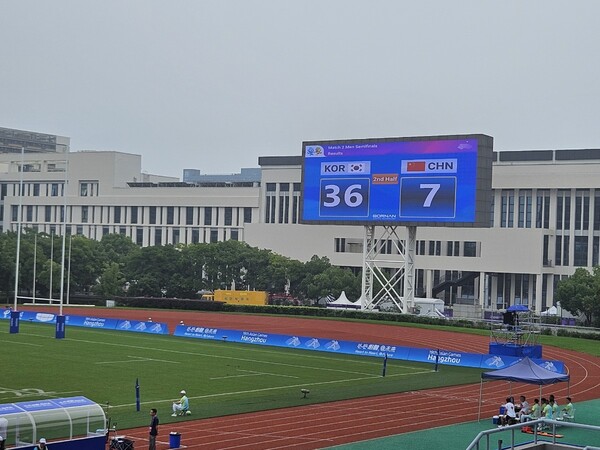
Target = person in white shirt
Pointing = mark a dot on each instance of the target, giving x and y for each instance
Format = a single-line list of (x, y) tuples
[(510, 415), (522, 407)]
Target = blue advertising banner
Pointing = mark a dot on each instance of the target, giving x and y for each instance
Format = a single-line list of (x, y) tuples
[(432, 356), (92, 322), (142, 327)]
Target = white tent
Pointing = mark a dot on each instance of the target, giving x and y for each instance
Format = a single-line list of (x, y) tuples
[(430, 307), (343, 302), (552, 311)]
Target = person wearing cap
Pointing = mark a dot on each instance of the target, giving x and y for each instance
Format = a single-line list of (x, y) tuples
[(41, 445), (181, 406)]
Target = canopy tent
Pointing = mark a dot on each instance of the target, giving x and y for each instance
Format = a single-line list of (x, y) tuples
[(517, 308), (343, 302), (524, 371), (552, 311)]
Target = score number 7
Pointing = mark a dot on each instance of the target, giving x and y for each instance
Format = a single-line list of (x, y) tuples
[(434, 188)]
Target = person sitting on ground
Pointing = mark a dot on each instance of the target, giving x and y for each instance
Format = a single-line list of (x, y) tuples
[(182, 405), (534, 412), (567, 411), (510, 416)]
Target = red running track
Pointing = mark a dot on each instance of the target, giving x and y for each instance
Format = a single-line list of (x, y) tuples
[(328, 424)]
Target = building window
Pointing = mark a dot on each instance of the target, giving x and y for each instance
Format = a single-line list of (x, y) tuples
[(117, 213), (139, 236), (158, 236), (507, 211), (84, 214), (596, 251), (270, 203), (470, 249), (581, 251), (79, 230), (235, 234), (189, 215), (207, 216), (175, 236), (228, 216), (563, 209), (582, 209), (170, 215), (36, 189), (214, 235), (83, 189), (15, 213), (134, 214), (54, 190), (542, 209), (105, 231), (525, 204), (195, 236), (152, 218), (247, 215)]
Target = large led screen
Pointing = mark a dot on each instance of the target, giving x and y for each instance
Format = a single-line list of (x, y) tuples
[(429, 181)]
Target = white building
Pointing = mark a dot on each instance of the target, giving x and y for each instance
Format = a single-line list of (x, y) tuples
[(545, 224)]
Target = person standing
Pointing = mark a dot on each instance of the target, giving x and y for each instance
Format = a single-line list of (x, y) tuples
[(153, 432)]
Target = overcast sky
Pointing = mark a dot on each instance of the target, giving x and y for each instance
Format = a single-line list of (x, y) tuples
[(213, 85)]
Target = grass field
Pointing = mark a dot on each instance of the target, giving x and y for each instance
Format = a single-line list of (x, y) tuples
[(220, 377)]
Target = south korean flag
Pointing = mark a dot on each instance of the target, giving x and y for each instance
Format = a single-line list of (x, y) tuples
[(359, 167)]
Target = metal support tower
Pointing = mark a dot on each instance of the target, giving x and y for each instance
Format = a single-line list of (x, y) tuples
[(395, 281)]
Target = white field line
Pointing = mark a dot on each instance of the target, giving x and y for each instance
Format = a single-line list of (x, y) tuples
[(277, 388), (137, 359), (252, 373), (209, 355)]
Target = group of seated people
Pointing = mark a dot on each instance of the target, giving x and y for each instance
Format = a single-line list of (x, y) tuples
[(523, 411)]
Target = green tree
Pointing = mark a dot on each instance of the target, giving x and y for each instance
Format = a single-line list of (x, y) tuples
[(580, 294), (111, 281)]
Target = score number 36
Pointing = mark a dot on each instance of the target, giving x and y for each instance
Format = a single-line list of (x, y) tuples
[(345, 197)]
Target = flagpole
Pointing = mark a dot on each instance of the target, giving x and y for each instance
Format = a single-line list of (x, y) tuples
[(14, 316)]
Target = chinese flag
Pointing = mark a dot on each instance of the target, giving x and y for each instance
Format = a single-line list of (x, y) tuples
[(415, 166)]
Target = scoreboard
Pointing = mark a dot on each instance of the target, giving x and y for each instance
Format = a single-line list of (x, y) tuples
[(428, 181)]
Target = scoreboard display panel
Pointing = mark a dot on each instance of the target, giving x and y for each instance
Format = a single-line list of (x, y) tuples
[(428, 181)]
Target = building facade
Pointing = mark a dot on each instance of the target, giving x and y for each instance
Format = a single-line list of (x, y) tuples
[(545, 221)]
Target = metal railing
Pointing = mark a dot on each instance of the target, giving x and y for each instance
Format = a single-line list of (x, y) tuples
[(534, 425)]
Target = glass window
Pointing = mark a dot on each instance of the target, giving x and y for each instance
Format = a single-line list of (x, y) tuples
[(152, 214), (581, 251), (228, 216), (158, 236), (189, 215), (117, 213), (139, 236), (134, 214), (247, 215), (84, 214), (207, 216), (170, 215), (214, 235)]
